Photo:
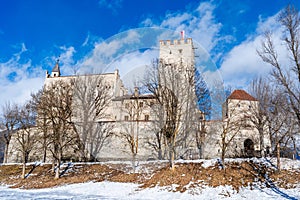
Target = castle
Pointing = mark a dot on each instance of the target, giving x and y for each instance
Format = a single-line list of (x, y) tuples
[(134, 123)]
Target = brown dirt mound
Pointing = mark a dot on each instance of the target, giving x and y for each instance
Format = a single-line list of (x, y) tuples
[(185, 176), (191, 175)]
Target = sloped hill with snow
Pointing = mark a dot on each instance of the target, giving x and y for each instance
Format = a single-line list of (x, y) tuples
[(200, 179)]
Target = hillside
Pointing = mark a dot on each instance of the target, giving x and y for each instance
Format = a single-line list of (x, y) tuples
[(188, 175)]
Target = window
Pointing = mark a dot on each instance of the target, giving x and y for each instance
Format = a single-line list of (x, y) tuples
[(126, 118), (141, 104), (246, 122), (146, 117), (126, 105)]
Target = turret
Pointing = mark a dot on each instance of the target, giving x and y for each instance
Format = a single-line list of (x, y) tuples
[(56, 71)]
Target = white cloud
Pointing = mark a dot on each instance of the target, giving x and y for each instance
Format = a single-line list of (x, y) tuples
[(242, 63), (66, 58), (19, 92), (18, 80), (104, 52), (199, 24), (86, 41), (112, 5)]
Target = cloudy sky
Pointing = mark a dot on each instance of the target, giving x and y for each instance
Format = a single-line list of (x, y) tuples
[(124, 34)]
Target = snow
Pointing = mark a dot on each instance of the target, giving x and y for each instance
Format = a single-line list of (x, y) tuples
[(126, 191)]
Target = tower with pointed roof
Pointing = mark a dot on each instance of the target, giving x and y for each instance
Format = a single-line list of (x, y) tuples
[(56, 71)]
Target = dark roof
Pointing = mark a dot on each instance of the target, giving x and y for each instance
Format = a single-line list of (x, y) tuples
[(241, 95), (128, 96), (56, 67)]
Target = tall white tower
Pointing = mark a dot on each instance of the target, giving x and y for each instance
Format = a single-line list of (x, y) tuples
[(178, 52)]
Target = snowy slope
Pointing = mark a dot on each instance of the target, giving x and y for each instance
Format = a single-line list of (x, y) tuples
[(126, 191)]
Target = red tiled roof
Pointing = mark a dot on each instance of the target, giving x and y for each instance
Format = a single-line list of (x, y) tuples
[(241, 95)]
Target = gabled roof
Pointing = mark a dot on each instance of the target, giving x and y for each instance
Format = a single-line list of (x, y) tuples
[(241, 95)]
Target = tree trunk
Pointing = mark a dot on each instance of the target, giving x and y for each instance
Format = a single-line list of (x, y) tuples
[(23, 170), (6, 152), (278, 156), (57, 170), (58, 161), (45, 154), (160, 156), (261, 142), (200, 151), (133, 162), (295, 148), (171, 156), (223, 159)]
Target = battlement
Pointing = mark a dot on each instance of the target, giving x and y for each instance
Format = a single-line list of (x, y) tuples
[(175, 42)]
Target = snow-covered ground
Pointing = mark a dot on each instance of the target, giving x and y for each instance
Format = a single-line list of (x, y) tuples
[(113, 190), (126, 191)]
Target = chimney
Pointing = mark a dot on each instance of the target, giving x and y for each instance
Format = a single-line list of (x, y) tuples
[(47, 74), (136, 91)]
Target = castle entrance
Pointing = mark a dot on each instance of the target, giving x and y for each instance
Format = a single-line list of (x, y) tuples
[(248, 148)]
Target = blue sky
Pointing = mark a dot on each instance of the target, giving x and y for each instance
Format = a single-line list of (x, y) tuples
[(34, 33)]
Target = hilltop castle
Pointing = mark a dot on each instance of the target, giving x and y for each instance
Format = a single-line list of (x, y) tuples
[(135, 116)]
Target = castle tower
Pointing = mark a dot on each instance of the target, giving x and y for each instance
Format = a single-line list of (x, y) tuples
[(56, 71), (178, 52)]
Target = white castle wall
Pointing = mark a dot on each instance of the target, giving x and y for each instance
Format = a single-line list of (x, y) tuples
[(176, 51)]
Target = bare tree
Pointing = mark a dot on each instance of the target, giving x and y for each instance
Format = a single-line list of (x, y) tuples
[(259, 115), (42, 122), (204, 106), (286, 74), (234, 121), (273, 116), (230, 130), (158, 143), (130, 130), (10, 123), (166, 84), (91, 98), (281, 122), (56, 102), (26, 136), (103, 131)]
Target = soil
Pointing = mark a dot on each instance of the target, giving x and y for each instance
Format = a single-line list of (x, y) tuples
[(185, 175)]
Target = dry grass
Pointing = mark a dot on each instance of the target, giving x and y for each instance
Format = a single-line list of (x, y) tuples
[(185, 175)]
